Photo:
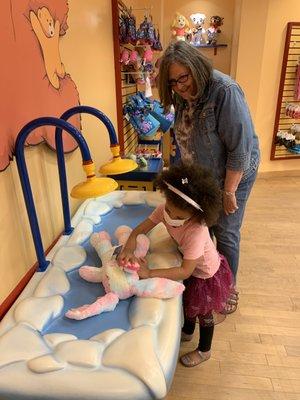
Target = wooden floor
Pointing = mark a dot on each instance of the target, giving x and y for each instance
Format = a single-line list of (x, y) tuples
[(256, 351)]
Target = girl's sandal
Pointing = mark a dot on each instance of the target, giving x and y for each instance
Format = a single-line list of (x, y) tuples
[(229, 308), (232, 303), (234, 295), (194, 358)]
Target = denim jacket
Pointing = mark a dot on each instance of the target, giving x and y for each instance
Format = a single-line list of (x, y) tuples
[(223, 135)]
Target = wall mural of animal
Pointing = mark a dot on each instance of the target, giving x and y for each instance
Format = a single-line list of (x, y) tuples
[(33, 81), (47, 33)]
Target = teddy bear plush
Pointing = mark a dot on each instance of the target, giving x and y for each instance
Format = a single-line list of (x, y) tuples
[(198, 31), (120, 282), (214, 29), (180, 27)]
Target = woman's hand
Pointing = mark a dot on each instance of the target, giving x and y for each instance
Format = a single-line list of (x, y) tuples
[(229, 203), (143, 271)]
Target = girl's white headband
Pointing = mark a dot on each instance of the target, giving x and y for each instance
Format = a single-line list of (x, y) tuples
[(183, 196)]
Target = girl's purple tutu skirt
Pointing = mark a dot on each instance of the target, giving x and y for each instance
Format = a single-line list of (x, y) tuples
[(206, 296)]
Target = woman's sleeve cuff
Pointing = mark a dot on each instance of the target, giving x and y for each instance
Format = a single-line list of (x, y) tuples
[(238, 161)]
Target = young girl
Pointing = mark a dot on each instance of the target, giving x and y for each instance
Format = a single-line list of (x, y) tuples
[(193, 202)]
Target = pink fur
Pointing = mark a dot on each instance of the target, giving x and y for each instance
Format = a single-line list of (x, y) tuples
[(128, 285), (130, 267), (142, 246), (105, 303), (122, 234), (91, 274), (148, 56)]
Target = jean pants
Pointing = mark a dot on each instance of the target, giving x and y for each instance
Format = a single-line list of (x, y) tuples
[(227, 229)]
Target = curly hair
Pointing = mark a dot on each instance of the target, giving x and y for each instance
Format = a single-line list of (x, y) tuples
[(200, 187)]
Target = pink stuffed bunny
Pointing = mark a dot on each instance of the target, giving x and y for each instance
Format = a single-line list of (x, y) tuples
[(133, 58), (124, 57), (148, 55), (120, 282)]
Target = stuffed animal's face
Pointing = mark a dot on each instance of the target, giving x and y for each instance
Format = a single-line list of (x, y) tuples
[(46, 21), (179, 21), (216, 21), (198, 19)]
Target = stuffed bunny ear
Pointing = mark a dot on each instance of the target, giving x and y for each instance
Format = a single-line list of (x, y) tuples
[(142, 245), (101, 242), (122, 233)]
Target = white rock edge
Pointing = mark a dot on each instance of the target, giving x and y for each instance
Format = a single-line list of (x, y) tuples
[(155, 320)]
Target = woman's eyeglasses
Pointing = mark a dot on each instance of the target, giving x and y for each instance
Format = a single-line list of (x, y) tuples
[(181, 79)]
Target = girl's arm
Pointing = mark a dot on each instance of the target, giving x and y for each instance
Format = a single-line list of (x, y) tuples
[(174, 273), (127, 253)]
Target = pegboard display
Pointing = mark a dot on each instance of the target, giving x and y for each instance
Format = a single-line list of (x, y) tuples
[(136, 48), (286, 137), (124, 85)]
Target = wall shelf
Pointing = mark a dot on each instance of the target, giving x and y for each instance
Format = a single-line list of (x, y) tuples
[(211, 46)]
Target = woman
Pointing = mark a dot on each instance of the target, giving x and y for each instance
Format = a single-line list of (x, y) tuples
[(213, 127)]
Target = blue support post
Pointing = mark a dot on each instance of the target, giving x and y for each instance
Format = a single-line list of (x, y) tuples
[(24, 178), (61, 158)]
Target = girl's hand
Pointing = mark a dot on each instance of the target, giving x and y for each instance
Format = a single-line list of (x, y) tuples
[(143, 271), (126, 256), (229, 203)]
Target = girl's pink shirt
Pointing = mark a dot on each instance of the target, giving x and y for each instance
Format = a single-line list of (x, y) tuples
[(194, 242)]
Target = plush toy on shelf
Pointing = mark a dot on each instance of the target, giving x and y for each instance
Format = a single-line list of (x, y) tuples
[(147, 58), (180, 27), (214, 29), (120, 282), (198, 31), (295, 130)]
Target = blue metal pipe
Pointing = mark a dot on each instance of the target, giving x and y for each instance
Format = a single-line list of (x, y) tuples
[(98, 114), (61, 158), (24, 178)]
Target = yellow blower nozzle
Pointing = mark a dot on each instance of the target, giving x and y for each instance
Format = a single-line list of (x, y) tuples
[(117, 165), (93, 187)]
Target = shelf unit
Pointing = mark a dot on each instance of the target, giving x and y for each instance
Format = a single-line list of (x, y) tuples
[(141, 178), (286, 90), (126, 134), (128, 138)]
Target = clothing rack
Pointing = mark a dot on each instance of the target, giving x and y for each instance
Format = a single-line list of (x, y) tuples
[(128, 138)]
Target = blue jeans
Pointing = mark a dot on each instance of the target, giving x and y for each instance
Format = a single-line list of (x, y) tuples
[(227, 229)]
